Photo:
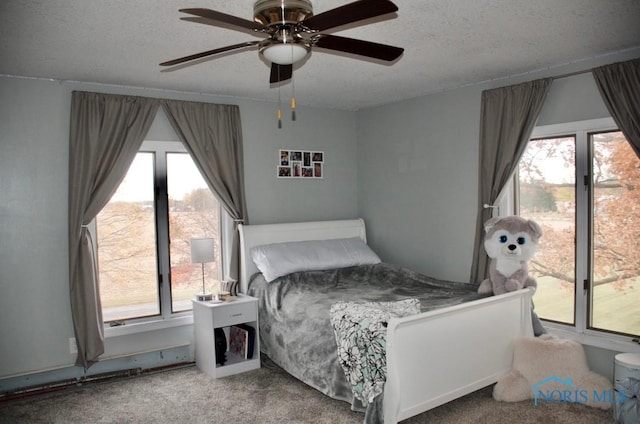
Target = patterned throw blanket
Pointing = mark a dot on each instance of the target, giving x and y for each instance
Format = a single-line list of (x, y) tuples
[(361, 330)]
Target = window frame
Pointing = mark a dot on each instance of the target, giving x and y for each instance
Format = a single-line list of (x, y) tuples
[(508, 205), (166, 318)]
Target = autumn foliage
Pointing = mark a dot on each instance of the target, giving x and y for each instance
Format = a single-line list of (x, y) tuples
[(615, 197)]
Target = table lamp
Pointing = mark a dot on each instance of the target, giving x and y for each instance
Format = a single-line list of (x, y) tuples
[(202, 252)]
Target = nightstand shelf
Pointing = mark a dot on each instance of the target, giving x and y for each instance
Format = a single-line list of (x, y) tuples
[(208, 316)]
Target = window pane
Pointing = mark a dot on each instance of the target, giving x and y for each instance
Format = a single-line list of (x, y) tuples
[(193, 212), (547, 195), (127, 246), (616, 231)]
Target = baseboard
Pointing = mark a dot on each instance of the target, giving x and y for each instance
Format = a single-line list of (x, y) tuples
[(58, 379)]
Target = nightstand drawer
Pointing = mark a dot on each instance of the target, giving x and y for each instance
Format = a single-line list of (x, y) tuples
[(234, 314)]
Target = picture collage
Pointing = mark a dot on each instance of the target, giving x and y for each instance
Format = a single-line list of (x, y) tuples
[(300, 164)]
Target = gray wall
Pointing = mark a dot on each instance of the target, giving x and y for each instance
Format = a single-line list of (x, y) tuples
[(35, 320), (417, 173), (409, 168)]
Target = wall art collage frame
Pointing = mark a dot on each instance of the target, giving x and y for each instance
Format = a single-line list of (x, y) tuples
[(295, 163)]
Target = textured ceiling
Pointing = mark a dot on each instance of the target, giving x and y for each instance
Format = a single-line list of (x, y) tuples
[(448, 43)]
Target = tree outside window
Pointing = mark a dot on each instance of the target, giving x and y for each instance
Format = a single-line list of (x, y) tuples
[(551, 174), (144, 233)]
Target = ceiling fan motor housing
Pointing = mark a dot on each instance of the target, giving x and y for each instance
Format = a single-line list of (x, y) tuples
[(278, 12)]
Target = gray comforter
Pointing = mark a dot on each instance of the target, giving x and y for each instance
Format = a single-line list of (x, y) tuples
[(295, 328)]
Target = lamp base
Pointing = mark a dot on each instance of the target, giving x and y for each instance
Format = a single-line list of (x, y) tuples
[(204, 296)]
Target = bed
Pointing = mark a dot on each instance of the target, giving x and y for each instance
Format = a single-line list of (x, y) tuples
[(456, 343)]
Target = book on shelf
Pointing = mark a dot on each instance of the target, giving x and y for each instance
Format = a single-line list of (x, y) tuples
[(241, 340)]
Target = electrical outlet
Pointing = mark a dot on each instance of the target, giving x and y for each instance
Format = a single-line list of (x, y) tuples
[(73, 347)]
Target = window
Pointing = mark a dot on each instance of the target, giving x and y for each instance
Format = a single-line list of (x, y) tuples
[(143, 237), (581, 183)]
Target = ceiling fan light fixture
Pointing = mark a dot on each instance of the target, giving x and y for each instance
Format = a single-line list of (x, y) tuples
[(285, 53)]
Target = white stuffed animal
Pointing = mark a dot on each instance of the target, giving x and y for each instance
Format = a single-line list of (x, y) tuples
[(553, 367), (510, 242)]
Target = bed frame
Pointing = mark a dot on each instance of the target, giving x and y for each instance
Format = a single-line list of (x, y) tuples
[(433, 357)]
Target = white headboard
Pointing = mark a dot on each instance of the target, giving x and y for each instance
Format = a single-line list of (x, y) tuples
[(256, 235)]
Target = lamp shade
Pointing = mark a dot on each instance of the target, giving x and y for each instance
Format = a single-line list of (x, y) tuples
[(202, 250)]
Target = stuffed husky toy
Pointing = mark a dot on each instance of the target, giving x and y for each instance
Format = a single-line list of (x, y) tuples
[(510, 242)]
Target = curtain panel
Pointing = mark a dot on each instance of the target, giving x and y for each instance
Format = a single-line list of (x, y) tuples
[(213, 136), (619, 86), (105, 134), (507, 118)]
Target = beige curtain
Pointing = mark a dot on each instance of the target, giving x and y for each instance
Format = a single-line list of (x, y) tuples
[(619, 86), (213, 136), (106, 132), (507, 118)]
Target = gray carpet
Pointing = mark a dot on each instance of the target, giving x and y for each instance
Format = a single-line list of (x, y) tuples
[(263, 396)]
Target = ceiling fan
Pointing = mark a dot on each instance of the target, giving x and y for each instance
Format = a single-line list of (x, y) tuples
[(291, 30)]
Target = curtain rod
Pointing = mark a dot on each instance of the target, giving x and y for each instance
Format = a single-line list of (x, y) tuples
[(571, 74), (584, 71), (532, 73)]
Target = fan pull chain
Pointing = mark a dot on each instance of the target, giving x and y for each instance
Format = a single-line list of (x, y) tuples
[(279, 118), (279, 114), (293, 92)]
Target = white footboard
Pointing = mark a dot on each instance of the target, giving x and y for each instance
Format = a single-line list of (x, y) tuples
[(439, 356)]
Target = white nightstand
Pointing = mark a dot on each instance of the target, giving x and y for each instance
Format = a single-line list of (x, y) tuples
[(206, 317)]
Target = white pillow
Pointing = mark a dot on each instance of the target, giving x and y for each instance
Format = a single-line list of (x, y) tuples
[(278, 259)]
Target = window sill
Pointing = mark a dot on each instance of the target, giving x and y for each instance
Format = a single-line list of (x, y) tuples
[(593, 338), (143, 327)]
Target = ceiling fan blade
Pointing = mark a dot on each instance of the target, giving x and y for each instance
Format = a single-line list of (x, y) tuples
[(349, 13), (230, 20), (359, 47), (209, 53), (219, 24), (280, 73)]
